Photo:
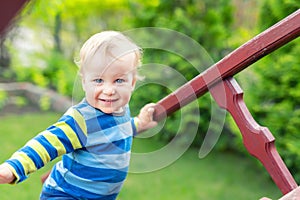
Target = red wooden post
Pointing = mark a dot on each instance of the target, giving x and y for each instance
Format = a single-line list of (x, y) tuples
[(258, 140), (8, 10)]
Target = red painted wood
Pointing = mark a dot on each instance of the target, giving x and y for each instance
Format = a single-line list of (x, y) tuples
[(8, 10), (264, 43), (258, 140)]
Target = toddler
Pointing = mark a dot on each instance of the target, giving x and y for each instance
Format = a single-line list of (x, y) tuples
[(93, 136)]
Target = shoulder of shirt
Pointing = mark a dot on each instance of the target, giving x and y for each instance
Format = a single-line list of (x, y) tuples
[(89, 112), (86, 110)]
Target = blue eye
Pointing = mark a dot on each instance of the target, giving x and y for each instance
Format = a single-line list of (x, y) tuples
[(98, 80), (120, 81)]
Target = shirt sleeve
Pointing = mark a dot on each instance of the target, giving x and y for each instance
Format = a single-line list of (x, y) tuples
[(66, 135)]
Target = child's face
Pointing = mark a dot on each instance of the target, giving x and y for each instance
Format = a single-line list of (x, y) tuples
[(109, 88)]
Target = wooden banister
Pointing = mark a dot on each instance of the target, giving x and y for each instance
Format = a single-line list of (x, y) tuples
[(261, 45), (217, 79)]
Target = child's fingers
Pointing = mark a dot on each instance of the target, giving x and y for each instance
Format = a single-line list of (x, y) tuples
[(150, 111), (6, 175), (146, 117)]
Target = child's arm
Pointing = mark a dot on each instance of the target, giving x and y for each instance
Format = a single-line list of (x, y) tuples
[(6, 175), (60, 138), (145, 119)]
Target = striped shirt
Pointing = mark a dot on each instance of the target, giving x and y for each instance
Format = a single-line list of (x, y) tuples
[(96, 151)]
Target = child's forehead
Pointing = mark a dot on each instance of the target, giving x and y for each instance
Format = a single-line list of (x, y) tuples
[(100, 61), (109, 73), (122, 65)]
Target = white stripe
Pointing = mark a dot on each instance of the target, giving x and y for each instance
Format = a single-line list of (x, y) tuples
[(52, 183), (109, 135), (109, 161), (88, 112)]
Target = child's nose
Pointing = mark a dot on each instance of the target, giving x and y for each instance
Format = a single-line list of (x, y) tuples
[(108, 90)]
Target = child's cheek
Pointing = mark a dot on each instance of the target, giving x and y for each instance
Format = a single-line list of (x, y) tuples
[(96, 91)]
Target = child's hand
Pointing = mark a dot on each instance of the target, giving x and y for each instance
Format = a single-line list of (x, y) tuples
[(6, 175), (145, 118)]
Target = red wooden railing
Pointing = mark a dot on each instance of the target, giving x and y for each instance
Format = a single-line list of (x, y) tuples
[(219, 81), (225, 90), (261, 45)]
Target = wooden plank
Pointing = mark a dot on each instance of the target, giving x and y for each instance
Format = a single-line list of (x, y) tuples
[(261, 45)]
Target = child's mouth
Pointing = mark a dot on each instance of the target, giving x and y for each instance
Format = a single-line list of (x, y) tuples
[(108, 100)]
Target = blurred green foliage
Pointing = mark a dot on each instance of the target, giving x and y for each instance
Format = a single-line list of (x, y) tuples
[(47, 39), (273, 88), (3, 98), (210, 24)]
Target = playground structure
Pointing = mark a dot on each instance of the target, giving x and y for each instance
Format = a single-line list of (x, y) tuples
[(219, 81)]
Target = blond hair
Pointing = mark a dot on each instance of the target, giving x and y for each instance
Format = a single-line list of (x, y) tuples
[(108, 45)]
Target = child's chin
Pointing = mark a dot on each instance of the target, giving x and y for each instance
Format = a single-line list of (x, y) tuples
[(107, 111)]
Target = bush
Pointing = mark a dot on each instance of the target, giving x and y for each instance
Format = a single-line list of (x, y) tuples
[(273, 89)]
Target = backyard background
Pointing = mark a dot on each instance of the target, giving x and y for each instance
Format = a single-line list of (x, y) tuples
[(43, 44)]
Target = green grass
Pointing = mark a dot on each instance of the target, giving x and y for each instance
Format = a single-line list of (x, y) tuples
[(217, 176), (16, 130)]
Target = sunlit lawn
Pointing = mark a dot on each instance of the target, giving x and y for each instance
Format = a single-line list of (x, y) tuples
[(217, 176)]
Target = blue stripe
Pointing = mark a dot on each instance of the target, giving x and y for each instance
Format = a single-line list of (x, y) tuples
[(19, 168), (101, 161), (105, 121), (34, 156), (83, 104), (50, 193), (78, 192), (123, 145), (75, 127), (93, 125), (133, 127), (93, 173), (62, 137), (109, 135), (52, 151), (116, 147)]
